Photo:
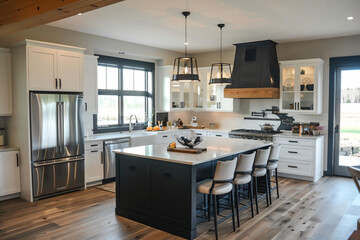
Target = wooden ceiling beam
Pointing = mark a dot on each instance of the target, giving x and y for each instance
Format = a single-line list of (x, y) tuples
[(17, 15)]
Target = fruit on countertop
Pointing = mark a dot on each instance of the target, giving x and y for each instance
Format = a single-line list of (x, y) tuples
[(149, 129), (172, 145), (156, 128)]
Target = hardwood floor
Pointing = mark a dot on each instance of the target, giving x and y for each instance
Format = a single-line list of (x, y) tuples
[(328, 209)]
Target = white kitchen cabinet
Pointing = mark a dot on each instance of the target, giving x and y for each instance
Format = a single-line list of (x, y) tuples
[(301, 157), (162, 83), (90, 84), (218, 134), (301, 86), (94, 162), (214, 100), (9, 173), (5, 82), (53, 67)]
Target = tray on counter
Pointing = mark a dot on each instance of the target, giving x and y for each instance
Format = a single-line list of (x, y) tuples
[(187, 150)]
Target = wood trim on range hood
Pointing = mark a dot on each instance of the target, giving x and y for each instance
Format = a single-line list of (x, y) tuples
[(264, 93)]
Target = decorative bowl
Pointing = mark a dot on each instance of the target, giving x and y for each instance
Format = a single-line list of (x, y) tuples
[(190, 143)]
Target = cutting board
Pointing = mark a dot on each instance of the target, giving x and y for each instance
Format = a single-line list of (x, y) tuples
[(187, 150)]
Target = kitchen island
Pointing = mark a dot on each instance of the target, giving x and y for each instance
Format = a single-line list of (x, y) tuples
[(158, 188)]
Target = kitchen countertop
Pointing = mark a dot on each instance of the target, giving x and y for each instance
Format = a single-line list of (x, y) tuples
[(140, 133), (289, 134), (215, 149), (8, 148)]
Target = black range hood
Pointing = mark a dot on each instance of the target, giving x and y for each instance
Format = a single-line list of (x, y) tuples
[(256, 71)]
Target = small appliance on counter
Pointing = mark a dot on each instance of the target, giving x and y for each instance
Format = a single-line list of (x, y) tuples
[(194, 122), (212, 125), (2, 136)]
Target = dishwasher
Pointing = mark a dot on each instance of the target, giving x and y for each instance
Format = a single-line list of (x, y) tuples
[(109, 163)]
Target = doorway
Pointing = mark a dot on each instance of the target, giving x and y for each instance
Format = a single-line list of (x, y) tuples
[(344, 115)]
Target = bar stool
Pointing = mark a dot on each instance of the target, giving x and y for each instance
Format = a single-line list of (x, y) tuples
[(244, 169), (272, 166), (220, 185), (261, 162)]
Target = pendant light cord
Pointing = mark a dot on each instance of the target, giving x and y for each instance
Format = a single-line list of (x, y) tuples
[(186, 43), (220, 44)]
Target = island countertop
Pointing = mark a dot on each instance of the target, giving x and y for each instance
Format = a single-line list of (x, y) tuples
[(216, 148)]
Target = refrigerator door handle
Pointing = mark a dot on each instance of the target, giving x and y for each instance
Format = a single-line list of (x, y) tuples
[(58, 123), (62, 145)]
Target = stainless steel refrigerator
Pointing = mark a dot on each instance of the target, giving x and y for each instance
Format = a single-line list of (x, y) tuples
[(57, 143)]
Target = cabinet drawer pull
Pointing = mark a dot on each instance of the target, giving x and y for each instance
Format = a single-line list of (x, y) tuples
[(132, 168), (102, 157), (60, 83), (165, 136), (292, 152), (168, 175), (56, 83), (199, 134), (94, 145), (291, 166), (17, 159), (218, 135), (85, 107), (94, 150), (291, 141)]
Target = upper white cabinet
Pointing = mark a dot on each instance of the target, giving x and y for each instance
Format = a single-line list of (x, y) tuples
[(301, 86), (9, 173), (5, 83), (90, 83), (53, 67), (192, 96), (215, 100)]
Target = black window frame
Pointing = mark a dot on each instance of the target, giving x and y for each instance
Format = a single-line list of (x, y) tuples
[(123, 63)]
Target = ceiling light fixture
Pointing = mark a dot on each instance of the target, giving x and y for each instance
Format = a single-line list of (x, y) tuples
[(350, 18), (79, 14), (220, 72), (185, 68)]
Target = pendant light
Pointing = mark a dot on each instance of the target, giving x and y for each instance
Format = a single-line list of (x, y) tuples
[(185, 68), (220, 72)]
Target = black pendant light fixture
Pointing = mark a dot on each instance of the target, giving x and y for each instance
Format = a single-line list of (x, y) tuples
[(185, 68), (220, 72)]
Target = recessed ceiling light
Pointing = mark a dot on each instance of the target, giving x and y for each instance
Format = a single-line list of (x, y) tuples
[(79, 14), (121, 53), (350, 18), (186, 43)]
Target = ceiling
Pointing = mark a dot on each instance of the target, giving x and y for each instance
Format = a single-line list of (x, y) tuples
[(159, 23)]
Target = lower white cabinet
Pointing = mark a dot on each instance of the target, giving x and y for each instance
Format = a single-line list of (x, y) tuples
[(94, 161), (301, 157), (218, 134), (9, 173)]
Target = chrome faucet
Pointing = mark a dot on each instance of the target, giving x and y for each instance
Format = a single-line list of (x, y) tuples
[(130, 125)]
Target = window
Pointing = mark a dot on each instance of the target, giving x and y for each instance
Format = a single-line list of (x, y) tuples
[(125, 88)]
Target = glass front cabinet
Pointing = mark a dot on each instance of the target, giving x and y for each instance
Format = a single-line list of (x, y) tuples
[(301, 86)]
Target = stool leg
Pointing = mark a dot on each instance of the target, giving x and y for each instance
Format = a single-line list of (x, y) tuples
[(267, 189), (277, 183), (232, 207), (204, 205), (251, 197), (256, 199), (218, 203), (237, 204), (209, 207), (215, 220), (269, 181)]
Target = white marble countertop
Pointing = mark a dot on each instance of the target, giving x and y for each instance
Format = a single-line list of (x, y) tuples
[(8, 148), (215, 149), (141, 133), (289, 134)]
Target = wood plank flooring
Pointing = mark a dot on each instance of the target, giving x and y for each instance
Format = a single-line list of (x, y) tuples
[(328, 209)]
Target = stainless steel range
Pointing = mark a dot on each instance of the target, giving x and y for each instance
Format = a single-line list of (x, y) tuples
[(253, 134)]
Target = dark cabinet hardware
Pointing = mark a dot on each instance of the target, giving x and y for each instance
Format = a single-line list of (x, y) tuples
[(132, 168), (168, 175), (56, 83), (290, 141), (94, 150), (165, 136), (17, 159), (200, 134), (218, 135), (60, 83), (292, 152), (94, 145), (291, 166), (102, 158), (85, 107), (337, 129)]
